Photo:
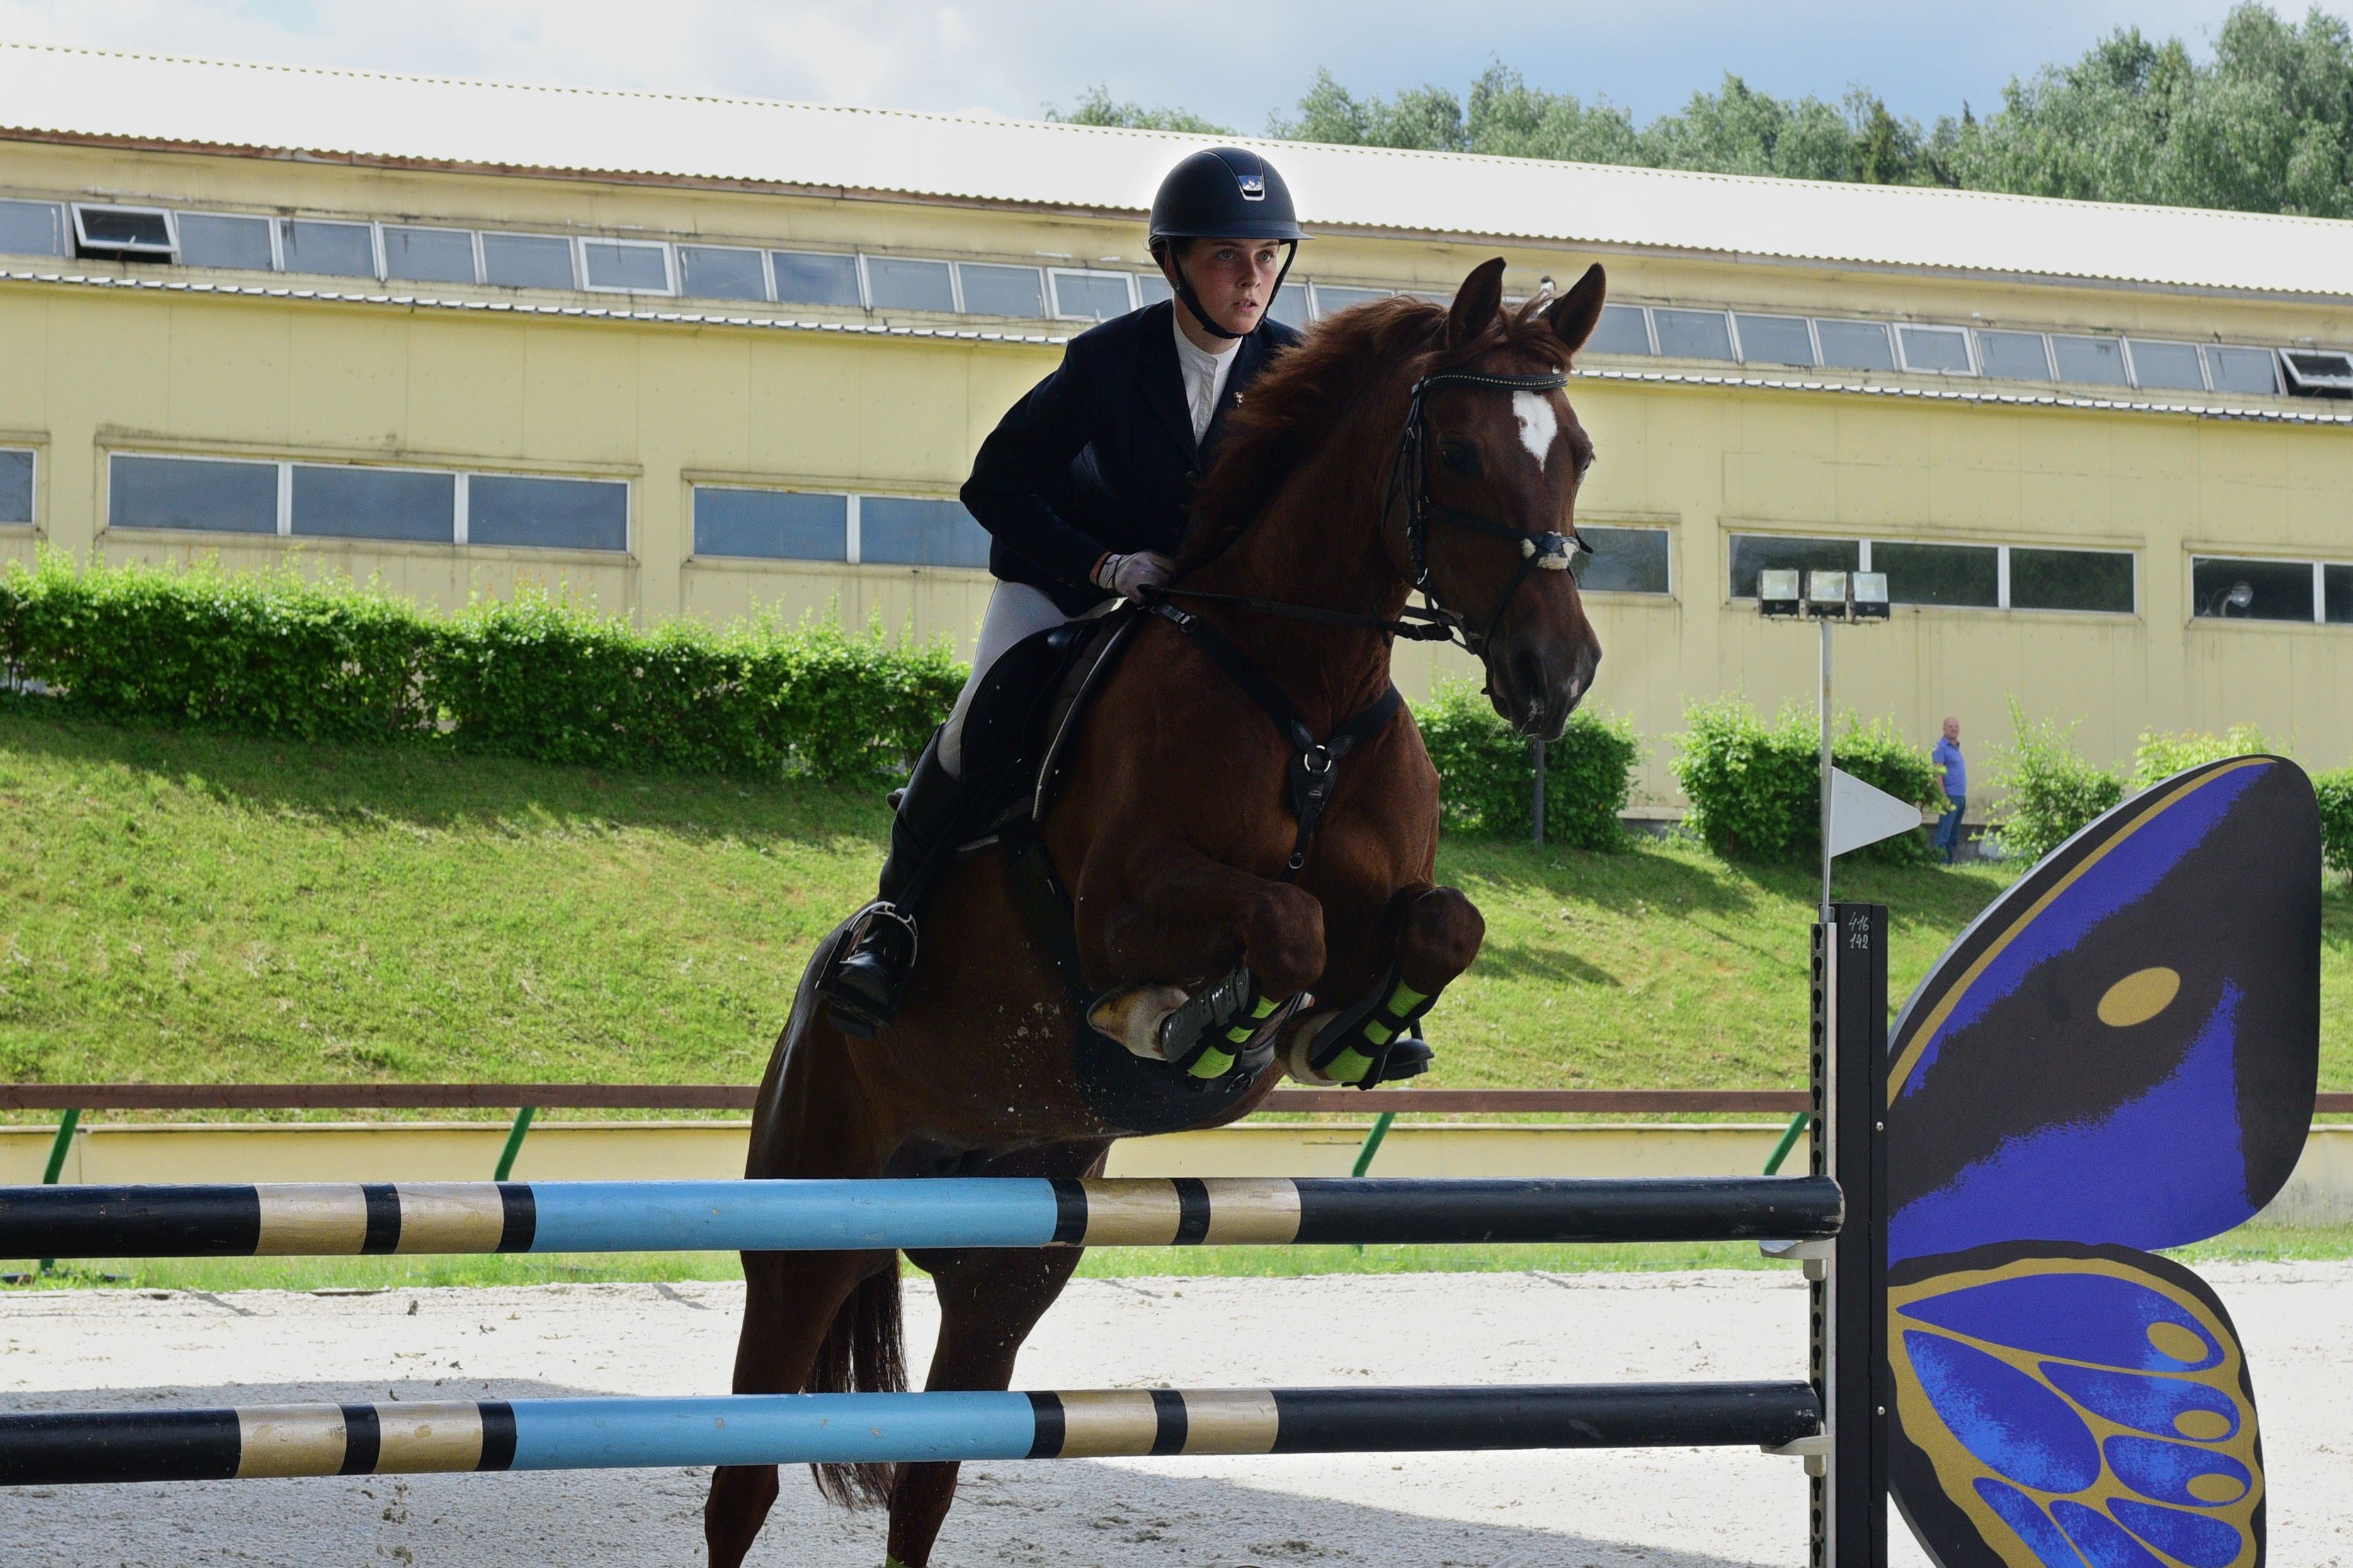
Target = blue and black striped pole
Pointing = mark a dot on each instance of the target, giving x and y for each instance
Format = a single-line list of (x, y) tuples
[(77, 1447), (340, 1220)]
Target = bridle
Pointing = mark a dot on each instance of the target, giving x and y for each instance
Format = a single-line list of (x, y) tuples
[(1544, 550)]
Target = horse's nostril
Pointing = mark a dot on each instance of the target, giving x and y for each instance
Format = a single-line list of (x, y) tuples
[(1527, 673)]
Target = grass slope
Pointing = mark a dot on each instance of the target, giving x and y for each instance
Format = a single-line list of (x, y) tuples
[(190, 908)]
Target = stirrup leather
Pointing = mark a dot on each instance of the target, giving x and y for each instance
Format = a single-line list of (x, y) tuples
[(1357, 1046), (1223, 1026)]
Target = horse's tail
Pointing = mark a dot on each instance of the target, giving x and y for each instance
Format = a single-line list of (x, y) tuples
[(862, 1353)]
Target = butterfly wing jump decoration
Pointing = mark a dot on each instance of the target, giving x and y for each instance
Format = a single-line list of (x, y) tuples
[(2119, 1056)]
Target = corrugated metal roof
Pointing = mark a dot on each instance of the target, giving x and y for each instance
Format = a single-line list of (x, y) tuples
[(371, 116)]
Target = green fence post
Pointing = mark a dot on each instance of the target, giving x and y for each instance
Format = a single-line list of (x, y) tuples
[(1789, 1142), (66, 1125), (515, 1143), (1372, 1147)]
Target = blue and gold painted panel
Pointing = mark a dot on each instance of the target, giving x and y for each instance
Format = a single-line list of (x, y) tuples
[(2120, 1055)]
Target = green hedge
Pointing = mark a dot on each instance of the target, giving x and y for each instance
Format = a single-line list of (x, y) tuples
[(268, 654), (2336, 791), (2045, 792), (1755, 788), (1488, 775)]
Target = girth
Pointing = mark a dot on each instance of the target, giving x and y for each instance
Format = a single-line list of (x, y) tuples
[(1313, 763)]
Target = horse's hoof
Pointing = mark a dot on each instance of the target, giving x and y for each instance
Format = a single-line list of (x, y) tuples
[(1133, 1016)]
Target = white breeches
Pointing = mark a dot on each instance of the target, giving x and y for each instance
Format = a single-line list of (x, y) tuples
[(1016, 611)]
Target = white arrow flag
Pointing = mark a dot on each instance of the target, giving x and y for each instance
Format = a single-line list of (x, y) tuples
[(1860, 815)]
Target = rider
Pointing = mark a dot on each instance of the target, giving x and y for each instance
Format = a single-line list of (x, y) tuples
[(1085, 484)]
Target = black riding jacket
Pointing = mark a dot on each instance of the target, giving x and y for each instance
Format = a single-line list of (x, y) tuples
[(1099, 455)]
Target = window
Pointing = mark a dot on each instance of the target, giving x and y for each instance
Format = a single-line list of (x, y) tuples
[(777, 525), (1754, 553), (1955, 574), (527, 262), (223, 239), (1855, 345), (128, 233), (1775, 340), (815, 277), (551, 514), (2241, 370), (1624, 561), (903, 283), (1092, 296), (16, 485), (1151, 288), (2071, 580), (2097, 360), (1290, 305), (2162, 364), (1330, 300), (2336, 595), (1939, 351), (2015, 356), (330, 249), (721, 272), (1003, 291), (1623, 330), (429, 255), (205, 493), (2251, 590), (32, 228), (902, 531), (347, 501), (2318, 372), (1694, 335), (626, 266)]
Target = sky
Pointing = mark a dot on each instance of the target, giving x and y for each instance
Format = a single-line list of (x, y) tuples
[(1232, 64)]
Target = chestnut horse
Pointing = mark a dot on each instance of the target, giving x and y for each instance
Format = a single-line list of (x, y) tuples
[(1173, 832)]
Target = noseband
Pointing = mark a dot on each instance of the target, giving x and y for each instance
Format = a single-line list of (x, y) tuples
[(1540, 550)]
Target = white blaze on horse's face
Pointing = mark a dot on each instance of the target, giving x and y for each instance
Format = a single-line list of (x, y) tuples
[(1539, 425)]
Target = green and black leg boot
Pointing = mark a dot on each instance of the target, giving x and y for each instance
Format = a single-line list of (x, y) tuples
[(1376, 1041), (868, 974)]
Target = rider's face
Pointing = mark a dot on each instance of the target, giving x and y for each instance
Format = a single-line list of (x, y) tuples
[(1234, 279)]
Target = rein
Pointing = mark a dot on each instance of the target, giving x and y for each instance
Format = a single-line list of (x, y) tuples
[(1540, 550)]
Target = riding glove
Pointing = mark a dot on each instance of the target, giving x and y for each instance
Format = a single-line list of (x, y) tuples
[(1125, 575)]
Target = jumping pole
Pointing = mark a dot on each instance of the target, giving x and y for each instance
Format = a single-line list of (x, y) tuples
[(325, 1219)]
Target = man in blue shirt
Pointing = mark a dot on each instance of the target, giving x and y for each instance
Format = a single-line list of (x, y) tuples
[(1947, 756)]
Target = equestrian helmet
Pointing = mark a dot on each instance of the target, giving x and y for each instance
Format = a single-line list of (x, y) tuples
[(1224, 193)]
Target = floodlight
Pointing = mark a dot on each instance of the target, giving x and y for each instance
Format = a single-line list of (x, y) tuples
[(1826, 594), (1777, 591), (1871, 595)]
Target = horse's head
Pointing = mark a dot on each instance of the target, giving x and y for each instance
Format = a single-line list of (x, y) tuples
[(1485, 493)]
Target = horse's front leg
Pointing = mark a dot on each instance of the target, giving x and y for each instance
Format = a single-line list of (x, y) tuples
[(1177, 919), (1428, 938)]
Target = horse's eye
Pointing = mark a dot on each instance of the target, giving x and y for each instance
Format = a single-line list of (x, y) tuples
[(1461, 459)]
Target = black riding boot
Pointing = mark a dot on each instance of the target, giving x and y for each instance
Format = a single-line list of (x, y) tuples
[(868, 979)]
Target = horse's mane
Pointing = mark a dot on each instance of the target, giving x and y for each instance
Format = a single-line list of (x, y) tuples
[(1301, 397)]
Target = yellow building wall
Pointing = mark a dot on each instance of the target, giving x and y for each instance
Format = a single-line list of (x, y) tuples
[(665, 405)]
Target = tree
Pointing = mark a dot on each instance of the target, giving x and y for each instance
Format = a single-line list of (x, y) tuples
[(1095, 107), (2266, 125)]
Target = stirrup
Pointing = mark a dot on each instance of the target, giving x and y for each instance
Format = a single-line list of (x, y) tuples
[(1376, 1040)]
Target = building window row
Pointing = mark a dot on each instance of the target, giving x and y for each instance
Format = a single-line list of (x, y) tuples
[(1957, 576), (352, 500), (2264, 589), (749, 523), (16, 485), (1806, 341), (418, 253)]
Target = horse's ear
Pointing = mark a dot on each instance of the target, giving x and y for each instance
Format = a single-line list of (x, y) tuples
[(1575, 313), (1475, 303)]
